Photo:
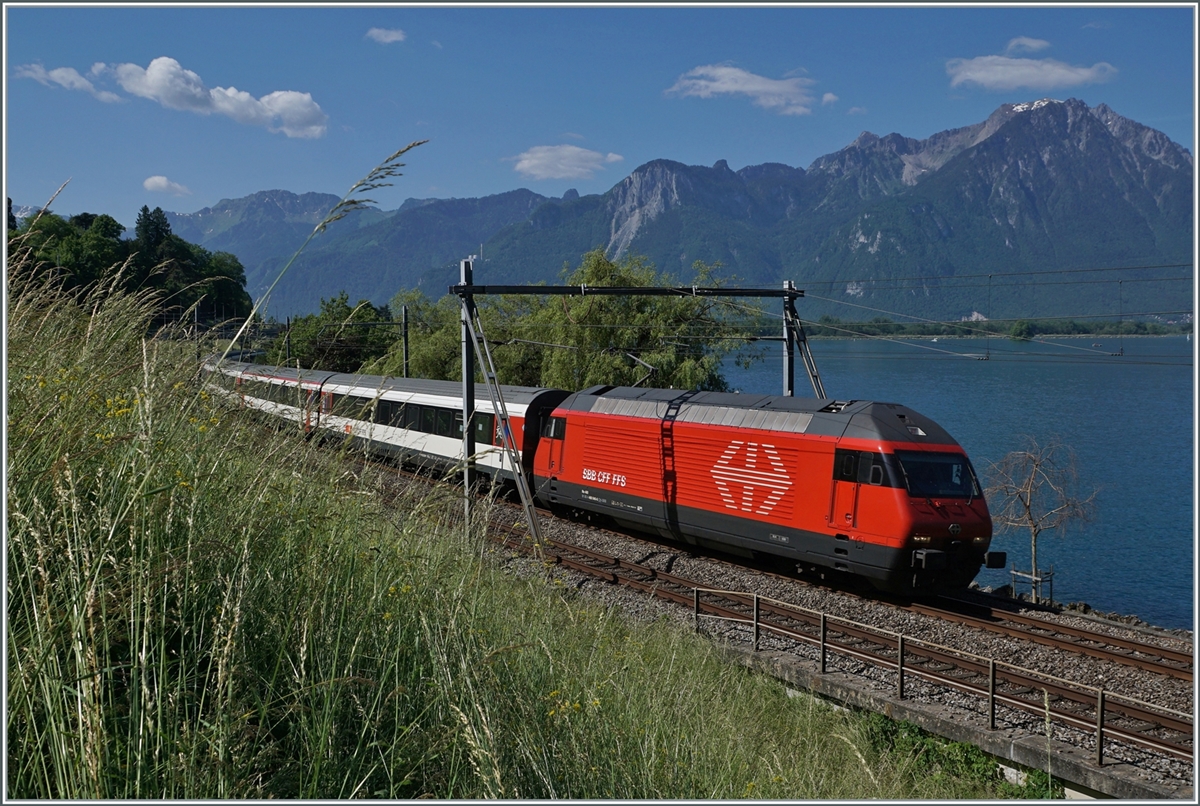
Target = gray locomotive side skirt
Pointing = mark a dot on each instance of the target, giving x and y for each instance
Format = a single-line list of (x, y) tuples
[(888, 567)]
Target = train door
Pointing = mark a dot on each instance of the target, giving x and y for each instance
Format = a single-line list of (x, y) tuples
[(844, 509), (553, 431)]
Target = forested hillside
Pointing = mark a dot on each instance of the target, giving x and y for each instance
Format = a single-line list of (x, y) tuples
[(88, 249)]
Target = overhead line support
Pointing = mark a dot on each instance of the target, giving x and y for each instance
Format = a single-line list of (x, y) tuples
[(793, 332)]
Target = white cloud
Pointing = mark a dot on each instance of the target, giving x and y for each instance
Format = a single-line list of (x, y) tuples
[(386, 36), (67, 77), (562, 162), (788, 96), (856, 110), (1026, 44), (1006, 73), (167, 82), (828, 98), (160, 184)]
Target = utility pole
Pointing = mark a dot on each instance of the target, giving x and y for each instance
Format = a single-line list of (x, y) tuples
[(404, 328), (789, 344), (468, 389)]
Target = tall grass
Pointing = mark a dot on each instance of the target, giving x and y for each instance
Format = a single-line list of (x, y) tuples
[(198, 608)]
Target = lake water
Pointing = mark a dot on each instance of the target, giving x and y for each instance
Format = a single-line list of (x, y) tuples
[(1129, 419)]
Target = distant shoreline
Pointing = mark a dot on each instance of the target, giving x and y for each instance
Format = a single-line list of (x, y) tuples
[(1003, 336)]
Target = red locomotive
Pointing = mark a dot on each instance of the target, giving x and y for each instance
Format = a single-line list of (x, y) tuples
[(870, 489)]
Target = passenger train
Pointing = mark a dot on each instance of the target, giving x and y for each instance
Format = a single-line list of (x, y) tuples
[(869, 489)]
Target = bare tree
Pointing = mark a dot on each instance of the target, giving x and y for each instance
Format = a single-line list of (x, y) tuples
[(1037, 488)]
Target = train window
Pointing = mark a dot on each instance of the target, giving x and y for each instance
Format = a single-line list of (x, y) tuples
[(445, 423), (389, 412), (845, 465), (428, 420), (412, 417), (938, 475), (458, 429), (555, 428), (353, 406), (484, 428), (870, 468), (364, 408)]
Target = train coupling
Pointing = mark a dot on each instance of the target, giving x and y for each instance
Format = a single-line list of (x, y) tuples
[(929, 559)]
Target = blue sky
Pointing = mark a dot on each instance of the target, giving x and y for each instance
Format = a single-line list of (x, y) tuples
[(180, 107)]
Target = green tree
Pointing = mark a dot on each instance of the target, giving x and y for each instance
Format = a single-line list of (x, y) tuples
[(670, 342), (1021, 331), (576, 342), (340, 338), (152, 228)]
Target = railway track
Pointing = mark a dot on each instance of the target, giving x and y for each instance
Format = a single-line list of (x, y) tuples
[(1138, 654), (1001, 688)]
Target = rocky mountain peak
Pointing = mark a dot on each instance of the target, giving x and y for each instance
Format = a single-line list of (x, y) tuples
[(1142, 140), (641, 197)]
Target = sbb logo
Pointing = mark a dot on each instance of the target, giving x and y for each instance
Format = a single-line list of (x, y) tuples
[(751, 477)]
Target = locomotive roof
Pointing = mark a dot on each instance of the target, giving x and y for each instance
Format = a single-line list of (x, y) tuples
[(859, 419)]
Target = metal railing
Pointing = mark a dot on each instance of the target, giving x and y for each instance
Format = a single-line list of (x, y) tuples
[(1099, 700)]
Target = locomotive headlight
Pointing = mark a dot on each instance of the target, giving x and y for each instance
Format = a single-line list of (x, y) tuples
[(979, 541), (921, 538)]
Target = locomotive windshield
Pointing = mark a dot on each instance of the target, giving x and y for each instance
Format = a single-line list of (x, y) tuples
[(938, 475)]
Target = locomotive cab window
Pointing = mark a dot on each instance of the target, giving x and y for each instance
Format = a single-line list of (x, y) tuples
[(871, 469), (555, 428), (938, 475), (845, 465)]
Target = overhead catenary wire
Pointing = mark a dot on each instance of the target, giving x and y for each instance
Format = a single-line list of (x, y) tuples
[(1088, 270), (1100, 354)]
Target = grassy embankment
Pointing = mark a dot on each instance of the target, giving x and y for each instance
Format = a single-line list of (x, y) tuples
[(201, 609)]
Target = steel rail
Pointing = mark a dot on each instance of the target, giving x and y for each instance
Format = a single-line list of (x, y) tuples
[(1179, 664)]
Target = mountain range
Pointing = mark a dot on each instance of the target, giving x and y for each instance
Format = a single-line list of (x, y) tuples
[(1024, 214)]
